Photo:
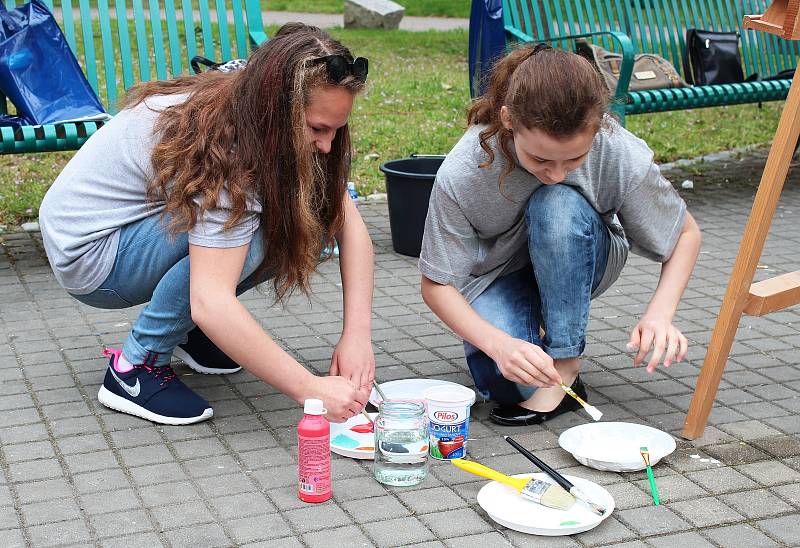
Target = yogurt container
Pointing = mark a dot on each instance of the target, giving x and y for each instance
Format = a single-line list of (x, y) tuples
[(448, 420)]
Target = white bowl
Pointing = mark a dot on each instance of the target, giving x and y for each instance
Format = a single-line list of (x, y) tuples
[(614, 446)]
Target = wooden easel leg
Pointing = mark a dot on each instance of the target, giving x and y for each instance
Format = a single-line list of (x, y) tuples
[(755, 234)]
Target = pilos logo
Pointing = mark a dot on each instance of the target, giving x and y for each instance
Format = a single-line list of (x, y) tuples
[(445, 416)]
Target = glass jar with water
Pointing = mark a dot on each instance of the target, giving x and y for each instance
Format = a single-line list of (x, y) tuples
[(401, 443)]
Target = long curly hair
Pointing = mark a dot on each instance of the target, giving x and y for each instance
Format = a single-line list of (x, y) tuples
[(558, 92), (245, 133)]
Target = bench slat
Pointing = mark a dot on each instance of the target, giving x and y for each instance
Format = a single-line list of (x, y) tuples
[(158, 40), (208, 39), (222, 30), (126, 55), (109, 67), (90, 61), (172, 36), (140, 29), (241, 33)]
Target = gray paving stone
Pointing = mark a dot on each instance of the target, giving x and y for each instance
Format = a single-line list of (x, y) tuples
[(120, 523), (756, 504), (22, 452), (722, 480), (341, 536), (317, 517), (734, 536), (168, 493), (63, 532), (451, 523), (8, 517), (138, 540), (11, 538), (653, 520), (375, 508), (210, 536), (493, 539), (770, 473), (264, 527), (89, 462), (51, 511), (285, 542), (674, 488), (242, 505), (608, 532), (785, 529), (431, 500), (156, 453), (212, 466), (705, 512), (181, 515), (158, 473), (46, 468), (397, 532), (684, 540), (110, 501), (779, 446)]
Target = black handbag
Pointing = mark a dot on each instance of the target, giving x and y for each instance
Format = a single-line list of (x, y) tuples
[(712, 58)]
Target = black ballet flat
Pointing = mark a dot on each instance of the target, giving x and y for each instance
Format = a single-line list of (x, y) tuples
[(515, 415)]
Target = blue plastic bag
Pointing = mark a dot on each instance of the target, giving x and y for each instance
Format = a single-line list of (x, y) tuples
[(38, 72), (487, 42)]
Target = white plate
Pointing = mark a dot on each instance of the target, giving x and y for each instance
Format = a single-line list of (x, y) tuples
[(614, 446), (405, 389), (349, 443), (507, 507)]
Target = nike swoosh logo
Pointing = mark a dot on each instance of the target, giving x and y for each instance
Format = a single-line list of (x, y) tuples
[(133, 391)]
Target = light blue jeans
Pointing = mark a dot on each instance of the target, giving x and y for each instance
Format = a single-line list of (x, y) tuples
[(568, 244), (152, 266)]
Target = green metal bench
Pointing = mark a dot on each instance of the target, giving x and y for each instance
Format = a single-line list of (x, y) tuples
[(121, 42), (658, 26)]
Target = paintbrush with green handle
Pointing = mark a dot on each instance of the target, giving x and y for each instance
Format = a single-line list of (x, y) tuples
[(653, 489)]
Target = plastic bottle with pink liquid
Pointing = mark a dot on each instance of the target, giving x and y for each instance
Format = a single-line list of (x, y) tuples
[(314, 453)]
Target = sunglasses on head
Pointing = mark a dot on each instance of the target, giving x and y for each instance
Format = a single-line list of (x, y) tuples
[(340, 67)]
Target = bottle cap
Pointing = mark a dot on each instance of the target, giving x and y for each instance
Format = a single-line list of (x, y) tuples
[(313, 406)]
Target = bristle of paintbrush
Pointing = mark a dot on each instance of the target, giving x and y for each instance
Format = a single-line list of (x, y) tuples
[(547, 494), (593, 411), (645, 455)]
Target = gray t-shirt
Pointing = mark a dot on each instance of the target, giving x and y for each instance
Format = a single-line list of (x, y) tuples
[(103, 188), (475, 231)]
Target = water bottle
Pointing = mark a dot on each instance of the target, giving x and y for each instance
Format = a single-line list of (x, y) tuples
[(314, 453), (351, 190)]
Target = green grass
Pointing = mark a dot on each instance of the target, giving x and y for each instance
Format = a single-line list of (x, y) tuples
[(415, 102), (437, 8)]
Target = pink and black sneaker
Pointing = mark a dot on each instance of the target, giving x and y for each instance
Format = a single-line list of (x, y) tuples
[(152, 393)]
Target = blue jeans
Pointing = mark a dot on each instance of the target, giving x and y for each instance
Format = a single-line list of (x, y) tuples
[(153, 265), (568, 243)]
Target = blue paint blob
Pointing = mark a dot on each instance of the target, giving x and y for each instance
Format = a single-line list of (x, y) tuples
[(344, 441)]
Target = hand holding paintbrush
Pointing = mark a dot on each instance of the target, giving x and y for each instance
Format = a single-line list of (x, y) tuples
[(558, 478)]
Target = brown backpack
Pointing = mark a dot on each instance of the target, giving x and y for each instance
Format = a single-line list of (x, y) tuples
[(650, 71)]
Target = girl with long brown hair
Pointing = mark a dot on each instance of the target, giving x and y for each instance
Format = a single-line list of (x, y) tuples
[(531, 216), (199, 189)]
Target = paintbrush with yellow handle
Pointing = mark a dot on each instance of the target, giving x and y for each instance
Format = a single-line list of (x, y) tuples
[(591, 409), (536, 490)]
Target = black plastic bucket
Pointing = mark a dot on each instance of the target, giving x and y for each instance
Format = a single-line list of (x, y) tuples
[(408, 189)]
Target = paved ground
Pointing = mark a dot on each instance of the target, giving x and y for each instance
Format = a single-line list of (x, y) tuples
[(74, 473)]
